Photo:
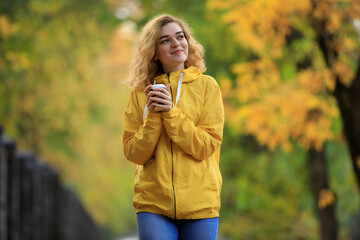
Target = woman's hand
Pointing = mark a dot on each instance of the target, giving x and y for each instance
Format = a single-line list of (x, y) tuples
[(159, 99)]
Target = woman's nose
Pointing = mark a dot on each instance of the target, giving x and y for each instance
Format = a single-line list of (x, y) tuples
[(175, 43)]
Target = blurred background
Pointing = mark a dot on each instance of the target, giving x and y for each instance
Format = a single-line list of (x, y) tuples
[(290, 78)]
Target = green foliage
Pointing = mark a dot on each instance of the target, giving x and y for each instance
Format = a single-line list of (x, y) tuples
[(267, 193), (264, 193), (343, 182)]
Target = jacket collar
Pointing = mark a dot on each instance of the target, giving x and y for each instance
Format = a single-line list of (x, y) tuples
[(190, 74)]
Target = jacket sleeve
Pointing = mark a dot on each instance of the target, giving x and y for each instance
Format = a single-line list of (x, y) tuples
[(201, 140), (140, 139)]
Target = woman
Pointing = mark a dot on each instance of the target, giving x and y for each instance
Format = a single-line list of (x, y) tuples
[(174, 135)]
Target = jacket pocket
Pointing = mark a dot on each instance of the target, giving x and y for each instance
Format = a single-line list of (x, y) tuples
[(214, 176), (143, 173)]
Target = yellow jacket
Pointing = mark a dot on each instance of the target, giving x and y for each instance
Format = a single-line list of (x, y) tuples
[(177, 152)]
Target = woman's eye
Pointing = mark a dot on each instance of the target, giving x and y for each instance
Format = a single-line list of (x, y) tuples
[(180, 36), (164, 41)]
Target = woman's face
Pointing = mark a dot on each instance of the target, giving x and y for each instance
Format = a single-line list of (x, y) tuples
[(171, 48)]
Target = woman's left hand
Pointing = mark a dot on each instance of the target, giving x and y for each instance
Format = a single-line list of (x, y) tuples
[(159, 99)]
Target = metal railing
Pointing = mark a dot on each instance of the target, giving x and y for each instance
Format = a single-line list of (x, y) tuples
[(34, 204)]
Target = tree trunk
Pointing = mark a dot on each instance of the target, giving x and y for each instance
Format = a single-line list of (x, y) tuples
[(324, 197), (348, 100)]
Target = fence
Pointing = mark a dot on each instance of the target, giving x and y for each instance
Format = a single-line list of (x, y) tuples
[(34, 205)]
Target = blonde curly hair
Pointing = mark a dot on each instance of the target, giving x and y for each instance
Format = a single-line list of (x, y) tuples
[(144, 68)]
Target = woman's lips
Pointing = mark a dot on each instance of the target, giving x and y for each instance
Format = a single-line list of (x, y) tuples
[(177, 52)]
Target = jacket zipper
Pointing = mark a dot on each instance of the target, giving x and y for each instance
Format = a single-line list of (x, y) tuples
[(172, 159)]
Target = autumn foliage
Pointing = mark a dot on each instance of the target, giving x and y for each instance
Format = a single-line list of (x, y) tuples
[(282, 92)]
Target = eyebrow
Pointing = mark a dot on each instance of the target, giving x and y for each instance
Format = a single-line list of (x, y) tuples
[(165, 36)]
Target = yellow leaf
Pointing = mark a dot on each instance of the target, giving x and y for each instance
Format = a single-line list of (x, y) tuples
[(326, 198)]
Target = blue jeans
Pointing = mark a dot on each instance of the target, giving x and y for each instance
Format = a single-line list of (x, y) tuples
[(153, 226)]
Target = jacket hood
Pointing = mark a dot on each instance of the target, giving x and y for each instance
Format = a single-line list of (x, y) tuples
[(190, 74)]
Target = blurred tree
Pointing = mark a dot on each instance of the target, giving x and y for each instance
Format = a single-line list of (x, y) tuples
[(61, 99), (298, 53), (338, 40)]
